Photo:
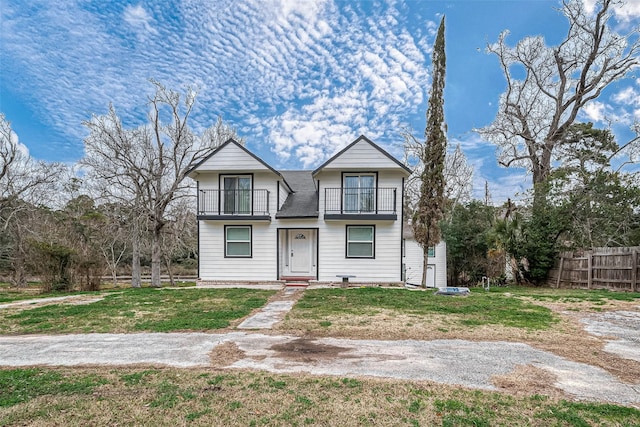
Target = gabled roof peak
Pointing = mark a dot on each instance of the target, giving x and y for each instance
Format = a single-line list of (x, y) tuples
[(362, 138)]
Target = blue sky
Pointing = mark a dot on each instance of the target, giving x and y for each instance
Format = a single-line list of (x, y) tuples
[(299, 79)]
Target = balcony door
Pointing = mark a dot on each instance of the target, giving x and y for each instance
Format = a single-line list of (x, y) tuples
[(237, 195), (359, 193)]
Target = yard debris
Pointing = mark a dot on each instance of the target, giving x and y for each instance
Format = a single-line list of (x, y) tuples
[(453, 291)]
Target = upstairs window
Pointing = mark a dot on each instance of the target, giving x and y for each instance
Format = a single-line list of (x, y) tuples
[(359, 193)]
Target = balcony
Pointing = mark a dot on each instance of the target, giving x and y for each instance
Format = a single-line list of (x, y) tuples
[(360, 203), (233, 205)]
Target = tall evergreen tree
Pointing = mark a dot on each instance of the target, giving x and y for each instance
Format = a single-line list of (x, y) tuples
[(431, 205)]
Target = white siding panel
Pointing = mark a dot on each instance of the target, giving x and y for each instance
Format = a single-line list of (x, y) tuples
[(414, 262), (231, 158), (214, 266), (385, 267), (362, 156), (283, 194)]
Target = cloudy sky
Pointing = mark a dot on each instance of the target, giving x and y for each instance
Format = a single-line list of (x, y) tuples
[(300, 79)]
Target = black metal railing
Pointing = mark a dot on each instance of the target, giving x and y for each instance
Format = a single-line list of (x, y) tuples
[(233, 202), (360, 201)]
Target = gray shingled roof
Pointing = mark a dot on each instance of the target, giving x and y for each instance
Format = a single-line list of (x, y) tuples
[(303, 202)]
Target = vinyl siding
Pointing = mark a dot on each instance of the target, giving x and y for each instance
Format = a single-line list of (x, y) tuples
[(283, 194), (214, 265), (231, 158), (386, 266), (362, 156), (413, 263)]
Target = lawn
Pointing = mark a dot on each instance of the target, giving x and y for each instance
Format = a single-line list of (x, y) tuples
[(173, 397), (545, 318), (137, 310)]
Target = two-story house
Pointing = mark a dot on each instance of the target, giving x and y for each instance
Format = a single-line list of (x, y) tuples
[(257, 224)]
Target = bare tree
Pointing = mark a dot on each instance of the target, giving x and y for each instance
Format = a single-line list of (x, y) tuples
[(547, 86), (220, 133), (458, 174), (146, 166), (24, 184)]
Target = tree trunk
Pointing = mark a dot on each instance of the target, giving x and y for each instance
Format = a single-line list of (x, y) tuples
[(135, 261), (425, 263), (167, 261), (156, 258)]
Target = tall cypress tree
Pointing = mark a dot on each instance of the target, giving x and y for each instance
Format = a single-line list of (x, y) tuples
[(430, 209)]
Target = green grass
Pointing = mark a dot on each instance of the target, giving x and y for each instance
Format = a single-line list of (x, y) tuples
[(99, 396), (479, 308), (22, 385), (133, 310)]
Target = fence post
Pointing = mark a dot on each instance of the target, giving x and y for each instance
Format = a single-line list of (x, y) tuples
[(634, 270), (560, 272), (590, 269)]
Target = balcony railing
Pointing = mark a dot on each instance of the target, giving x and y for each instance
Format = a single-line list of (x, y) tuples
[(360, 201), (229, 203)]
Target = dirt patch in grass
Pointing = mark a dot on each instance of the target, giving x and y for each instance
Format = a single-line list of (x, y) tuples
[(226, 354), (528, 380), (307, 350)]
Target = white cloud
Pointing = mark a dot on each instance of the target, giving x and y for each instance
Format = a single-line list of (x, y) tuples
[(627, 11), (595, 111), (627, 96), (139, 19), (293, 74)]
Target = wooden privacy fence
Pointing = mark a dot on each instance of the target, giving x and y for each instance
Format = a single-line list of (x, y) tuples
[(599, 268)]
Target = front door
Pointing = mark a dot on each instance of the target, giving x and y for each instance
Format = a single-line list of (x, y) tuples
[(300, 252)]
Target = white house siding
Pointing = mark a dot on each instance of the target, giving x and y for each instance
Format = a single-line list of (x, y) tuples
[(387, 264), (283, 194), (231, 158), (361, 156), (414, 262), (214, 265), (385, 267)]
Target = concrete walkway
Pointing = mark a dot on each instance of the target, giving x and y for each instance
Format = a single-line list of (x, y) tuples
[(274, 311), (464, 363)]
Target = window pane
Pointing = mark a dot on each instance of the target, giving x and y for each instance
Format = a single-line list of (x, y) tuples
[(360, 250), (351, 181), (238, 249), (244, 183), (432, 251), (229, 195), (367, 181), (360, 234), (238, 233)]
